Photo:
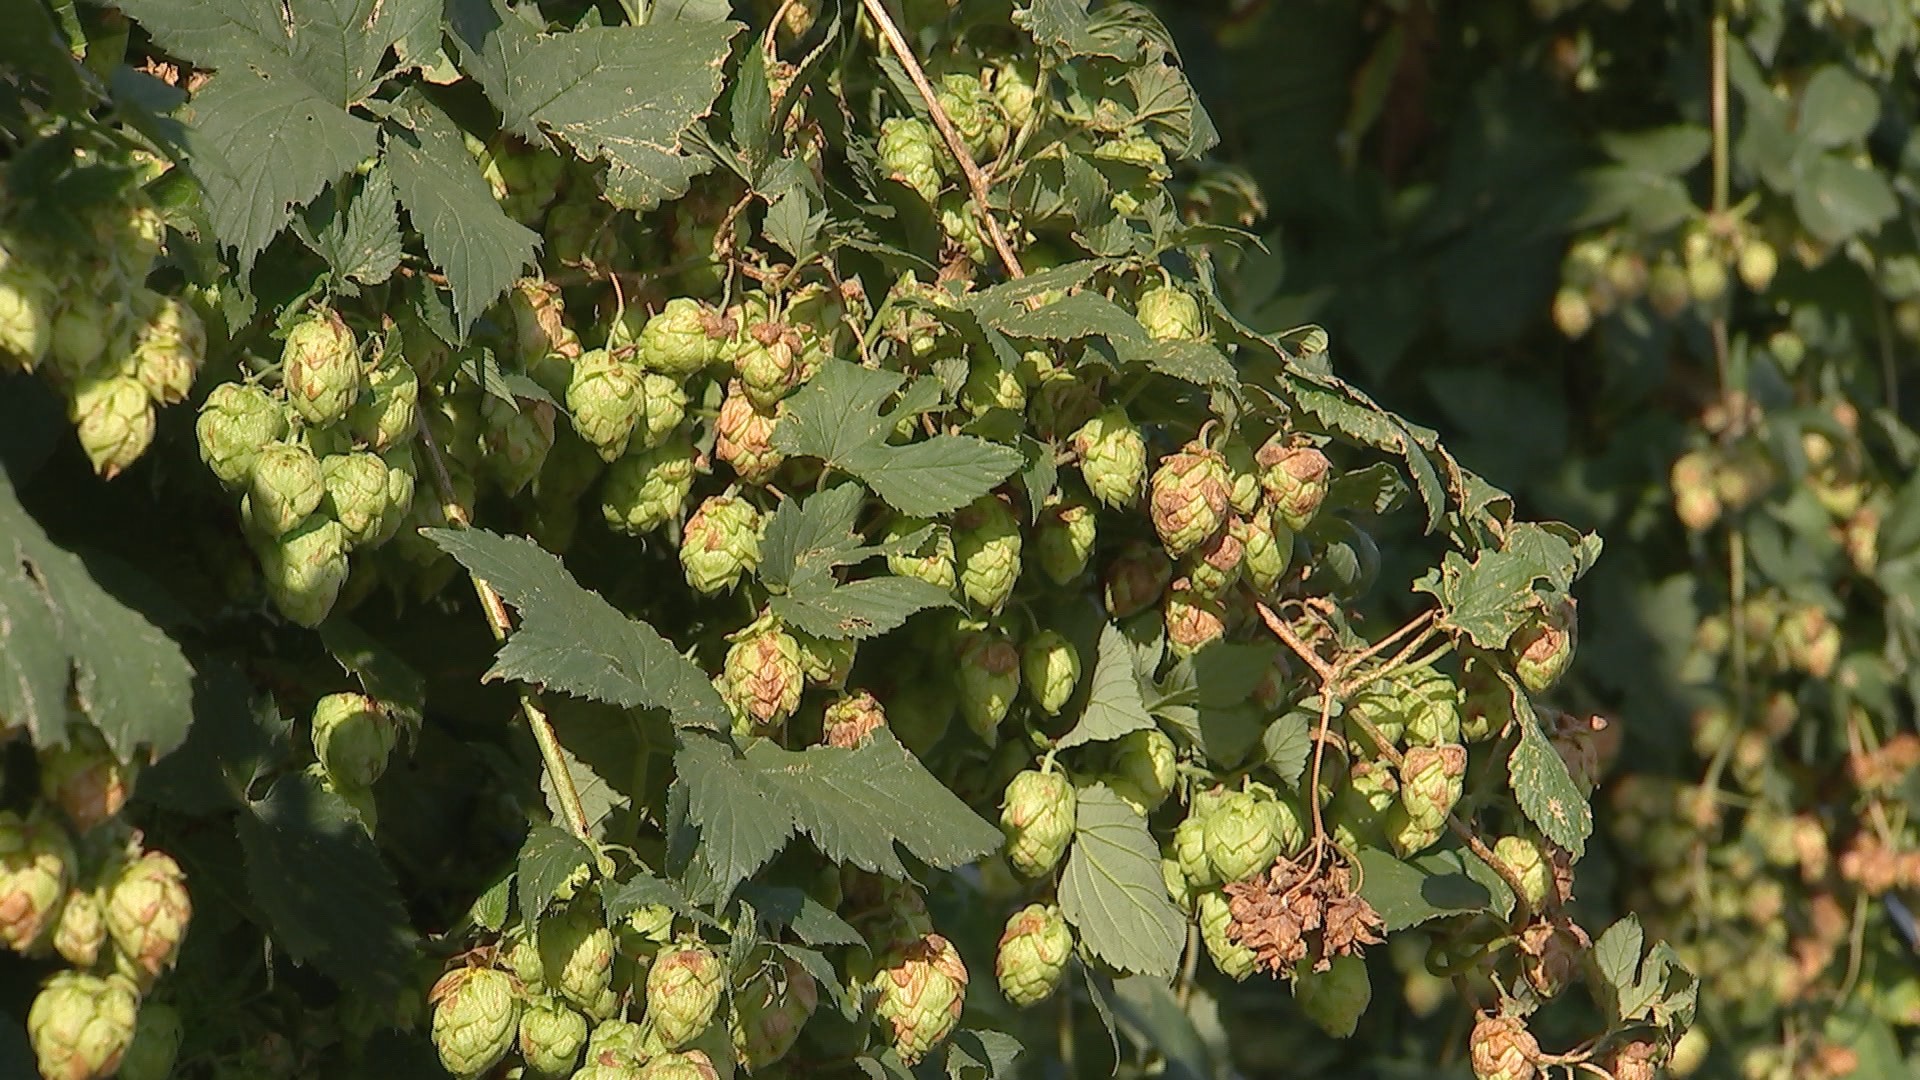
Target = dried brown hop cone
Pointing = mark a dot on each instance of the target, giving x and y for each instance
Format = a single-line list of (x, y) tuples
[(1286, 916)]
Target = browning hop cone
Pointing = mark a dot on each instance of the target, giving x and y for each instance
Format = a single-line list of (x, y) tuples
[(81, 1025), (683, 992), (922, 987), (1032, 958), (476, 1018), (147, 914), (1189, 498)]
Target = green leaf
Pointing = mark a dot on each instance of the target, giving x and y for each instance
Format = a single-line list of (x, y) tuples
[(237, 739), (1543, 787), (34, 45), (570, 639), (741, 826), (1838, 199), (548, 857), (1111, 892), (622, 94), (857, 609), (59, 629), (1837, 108), (1665, 151), (810, 536), (856, 805), (1115, 705), (262, 144), (805, 541), (1069, 318), (599, 797), (361, 244), (481, 249), (982, 1055), (1287, 742), (325, 892), (1190, 361), (382, 673), (642, 890), (1409, 892), (489, 910), (1487, 599), (812, 922)]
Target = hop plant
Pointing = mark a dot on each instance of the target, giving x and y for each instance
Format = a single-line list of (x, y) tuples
[(1143, 769), (851, 720), (157, 1035), (768, 1014), (576, 957), (1295, 480), (320, 367), (519, 436), (284, 488), (476, 1018), (84, 778), (1268, 550), (81, 331), (81, 1025), (989, 678), (762, 677), (1523, 855), (36, 865), (664, 412), (1032, 958), (1170, 313), (388, 413), (645, 491), (1037, 815), (1335, 998), (683, 992), (743, 437), (922, 986), (82, 929), (1050, 670), (986, 552), (605, 396), (147, 914), (115, 420), (305, 569), (1193, 619), (169, 346), (1230, 957), (1113, 456), (721, 542), (681, 339), (932, 561), (26, 315), (1064, 540), (1243, 836), (236, 421), (1431, 782), (551, 1037), (353, 738), (1213, 568), (684, 1065), (355, 495), (768, 363), (910, 153), (1543, 647), (1136, 580), (825, 661), (1501, 1048), (974, 114), (1189, 498)]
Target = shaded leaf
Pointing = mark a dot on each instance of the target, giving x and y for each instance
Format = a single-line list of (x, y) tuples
[(1111, 892), (548, 858), (1114, 702)]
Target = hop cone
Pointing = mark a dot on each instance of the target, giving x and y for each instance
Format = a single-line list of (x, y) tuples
[(36, 864), (82, 929), (476, 1018), (909, 152), (547, 346), (852, 719), (81, 1026), (387, 414), (114, 419), (683, 992), (645, 491), (157, 1034), (169, 346), (768, 363), (990, 386), (84, 778), (922, 987), (1170, 313), (1269, 550), (975, 115), (743, 437), (236, 421), (1359, 810), (26, 315), (616, 1044), (680, 339), (1243, 476), (353, 737), (1429, 704), (1431, 778), (1335, 998), (304, 570), (989, 678), (551, 1036), (1234, 960), (1543, 647), (768, 1015), (320, 366), (1037, 814), (1189, 499), (1524, 856), (986, 551), (1050, 668), (1242, 837), (1033, 954), (605, 397), (931, 562), (1179, 889), (1143, 769), (1501, 1048), (147, 913), (761, 676), (1113, 456), (576, 956), (961, 228), (400, 483), (665, 409), (721, 542), (685, 1065), (1295, 479), (1137, 579), (284, 488), (1193, 621), (1214, 567), (356, 495), (518, 438), (1190, 849), (80, 333), (1065, 540)]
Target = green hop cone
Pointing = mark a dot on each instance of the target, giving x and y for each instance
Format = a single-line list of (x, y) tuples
[(1359, 810), (576, 957), (922, 987), (761, 676), (1543, 647), (169, 345), (400, 483), (988, 679), (1242, 836), (1113, 456), (285, 487), (305, 569), (84, 778), (1190, 850), (986, 552), (932, 561), (1213, 568), (114, 419), (1037, 816), (546, 345), (616, 1044), (1430, 705), (666, 409), (1065, 540), (1136, 579), (81, 332), (1050, 670), (768, 363), (1179, 889), (1189, 498), (147, 914), (1243, 474), (769, 1012), (81, 1025), (743, 437), (1193, 621), (991, 386), (910, 153), (721, 542), (519, 435), (353, 737), (1269, 550), (389, 412), (1528, 861), (645, 491), (36, 864), (1170, 313), (1032, 958), (82, 929), (1501, 1048), (157, 1034), (1431, 779), (1143, 769), (826, 661), (355, 488), (551, 1037), (476, 1018), (961, 228), (681, 339), (1295, 479), (683, 992), (320, 367), (684, 1065), (26, 315), (235, 422), (974, 113), (1335, 998), (605, 397), (1016, 89), (851, 720), (1234, 960)]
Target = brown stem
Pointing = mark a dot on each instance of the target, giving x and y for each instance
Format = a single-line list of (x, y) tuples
[(1328, 676), (976, 180)]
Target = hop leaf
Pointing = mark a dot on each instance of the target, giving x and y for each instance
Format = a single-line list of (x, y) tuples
[(157, 1035)]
